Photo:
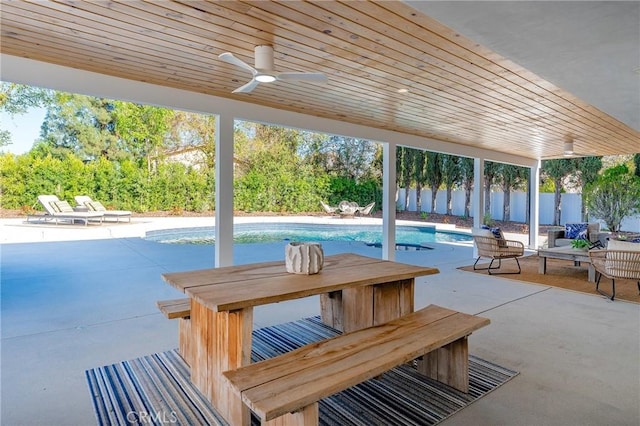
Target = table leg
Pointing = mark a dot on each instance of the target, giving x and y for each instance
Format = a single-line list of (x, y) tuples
[(360, 307), (542, 265), (221, 342), (392, 300), (357, 308), (185, 340), (331, 309), (592, 273)]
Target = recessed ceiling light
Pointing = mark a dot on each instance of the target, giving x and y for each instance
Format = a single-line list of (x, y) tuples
[(403, 90)]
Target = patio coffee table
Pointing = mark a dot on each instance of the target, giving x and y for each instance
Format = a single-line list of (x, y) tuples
[(567, 253)]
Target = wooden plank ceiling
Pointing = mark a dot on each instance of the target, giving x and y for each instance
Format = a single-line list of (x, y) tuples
[(458, 91)]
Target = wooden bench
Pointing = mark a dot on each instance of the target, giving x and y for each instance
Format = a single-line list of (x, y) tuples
[(175, 308), (180, 309), (285, 390)]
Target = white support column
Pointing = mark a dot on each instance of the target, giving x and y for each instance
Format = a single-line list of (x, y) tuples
[(224, 191), (478, 196), (534, 205), (389, 201)]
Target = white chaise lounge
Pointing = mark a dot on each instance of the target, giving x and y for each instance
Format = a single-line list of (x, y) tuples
[(96, 206), (60, 210)]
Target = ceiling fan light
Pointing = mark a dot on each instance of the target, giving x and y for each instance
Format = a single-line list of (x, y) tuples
[(265, 78)]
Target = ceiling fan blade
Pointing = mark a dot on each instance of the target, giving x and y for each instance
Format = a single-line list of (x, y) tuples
[(230, 59), (247, 87), (302, 76)]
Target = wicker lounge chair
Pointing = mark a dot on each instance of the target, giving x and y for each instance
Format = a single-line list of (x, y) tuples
[(60, 210), (96, 206), (621, 260), (494, 248)]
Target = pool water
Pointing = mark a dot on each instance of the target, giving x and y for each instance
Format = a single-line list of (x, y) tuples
[(273, 232)]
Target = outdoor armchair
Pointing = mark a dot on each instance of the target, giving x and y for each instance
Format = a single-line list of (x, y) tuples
[(620, 260), (493, 248)]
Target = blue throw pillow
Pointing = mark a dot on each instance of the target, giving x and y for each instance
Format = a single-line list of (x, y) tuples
[(576, 231), (497, 232)]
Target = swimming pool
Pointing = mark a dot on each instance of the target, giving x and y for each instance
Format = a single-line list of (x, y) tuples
[(272, 232)]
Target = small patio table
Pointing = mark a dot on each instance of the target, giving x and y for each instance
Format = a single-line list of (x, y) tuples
[(566, 253), (355, 292)]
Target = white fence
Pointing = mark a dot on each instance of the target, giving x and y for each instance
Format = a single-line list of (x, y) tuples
[(570, 206)]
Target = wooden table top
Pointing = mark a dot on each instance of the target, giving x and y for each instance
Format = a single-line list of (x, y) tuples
[(237, 287)]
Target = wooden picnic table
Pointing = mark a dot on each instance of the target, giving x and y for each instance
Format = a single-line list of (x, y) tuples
[(355, 292)]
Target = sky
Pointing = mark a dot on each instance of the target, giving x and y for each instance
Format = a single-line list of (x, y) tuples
[(24, 128)]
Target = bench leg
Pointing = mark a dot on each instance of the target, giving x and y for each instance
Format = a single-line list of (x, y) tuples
[(448, 364), (308, 416)]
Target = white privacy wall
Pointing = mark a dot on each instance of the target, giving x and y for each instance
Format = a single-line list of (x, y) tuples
[(570, 206)]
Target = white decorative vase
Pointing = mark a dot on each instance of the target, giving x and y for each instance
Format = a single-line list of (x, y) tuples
[(303, 258)]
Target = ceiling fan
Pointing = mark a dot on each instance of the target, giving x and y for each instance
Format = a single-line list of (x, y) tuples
[(264, 70), (568, 152)]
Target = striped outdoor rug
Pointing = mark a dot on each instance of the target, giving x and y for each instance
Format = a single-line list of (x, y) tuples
[(156, 389)]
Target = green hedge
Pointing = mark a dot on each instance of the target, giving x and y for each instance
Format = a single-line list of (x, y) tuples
[(118, 185), (270, 186)]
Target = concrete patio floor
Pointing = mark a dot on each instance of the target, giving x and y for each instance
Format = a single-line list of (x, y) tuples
[(73, 299)]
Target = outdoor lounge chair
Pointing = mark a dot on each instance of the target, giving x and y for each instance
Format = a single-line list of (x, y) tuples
[(621, 260), (58, 210), (327, 208), (366, 210), (491, 247), (96, 206)]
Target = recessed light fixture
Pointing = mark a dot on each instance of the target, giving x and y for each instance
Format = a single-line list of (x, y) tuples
[(402, 90)]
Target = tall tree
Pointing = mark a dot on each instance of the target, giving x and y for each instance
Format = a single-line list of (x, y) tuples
[(271, 175), (418, 167), (451, 175), (17, 99), (142, 130), (510, 177), (83, 125), (467, 176), (557, 170), (491, 171), (188, 130), (338, 155), (433, 175), (614, 196), (587, 169), (408, 165)]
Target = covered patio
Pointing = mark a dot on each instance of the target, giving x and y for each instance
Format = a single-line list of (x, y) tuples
[(396, 76), (69, 306)]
